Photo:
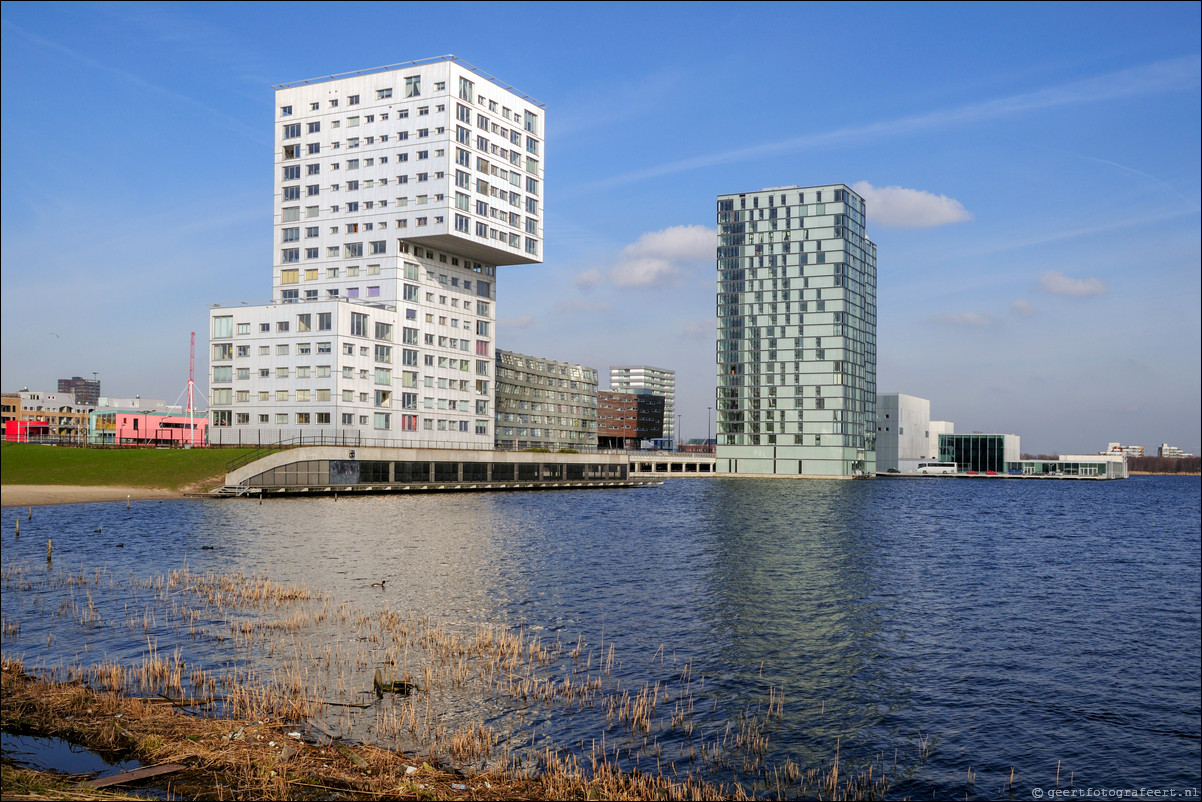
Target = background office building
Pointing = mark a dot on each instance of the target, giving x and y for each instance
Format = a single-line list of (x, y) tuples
[(398, 192), (659, 381), (542, 403), (796, 349)]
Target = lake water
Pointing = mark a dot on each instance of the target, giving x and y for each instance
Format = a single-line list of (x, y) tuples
[(951, 630)]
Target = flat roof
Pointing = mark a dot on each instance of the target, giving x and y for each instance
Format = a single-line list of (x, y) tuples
[(417, 63)]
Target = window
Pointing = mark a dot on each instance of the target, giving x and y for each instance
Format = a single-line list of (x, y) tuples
[(353, 100), (285, 111), (381, 94), (290, 234), (292, 131), (383, 420), (358, 324), (314, 148), (223, 326), (290, 214), (413, 88), (354, 250), (292, 193), (314, 128), (324, 323), (378, 247), (291, 172)]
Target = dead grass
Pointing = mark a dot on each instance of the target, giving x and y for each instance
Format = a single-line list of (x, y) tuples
[(296, 675)]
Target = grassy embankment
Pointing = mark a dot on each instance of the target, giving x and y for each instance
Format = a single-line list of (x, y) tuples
[(170, 469)]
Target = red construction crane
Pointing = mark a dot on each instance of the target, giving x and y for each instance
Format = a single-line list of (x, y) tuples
[(191, 383)]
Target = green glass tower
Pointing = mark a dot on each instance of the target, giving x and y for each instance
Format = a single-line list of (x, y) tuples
[(796, 350)]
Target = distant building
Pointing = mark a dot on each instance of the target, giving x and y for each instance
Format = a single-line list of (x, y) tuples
[(660, 381), (625, 420), (1100, 466), (51, 417), (1126, 451), (87, 391), (136, 427), (904, 432), (1173, 452), (542, 403), (617, 419)]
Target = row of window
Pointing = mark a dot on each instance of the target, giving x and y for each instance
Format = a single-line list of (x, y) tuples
[(413, 89), (380, 421)]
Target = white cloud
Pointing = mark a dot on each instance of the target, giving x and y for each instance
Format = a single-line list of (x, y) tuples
[(909, 208), (971, 319), (1057, 283), (1023, 308), (523, 322), (660, 257)]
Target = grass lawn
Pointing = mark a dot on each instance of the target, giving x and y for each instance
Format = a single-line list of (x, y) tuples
[(172, 469)]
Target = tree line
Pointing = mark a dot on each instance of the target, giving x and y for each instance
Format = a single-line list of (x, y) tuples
[(1165, 464)]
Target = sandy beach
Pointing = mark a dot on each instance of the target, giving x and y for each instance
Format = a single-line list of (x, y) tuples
[(37, 495)]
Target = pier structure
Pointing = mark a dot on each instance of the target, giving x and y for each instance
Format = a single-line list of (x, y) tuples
[(321, 470)]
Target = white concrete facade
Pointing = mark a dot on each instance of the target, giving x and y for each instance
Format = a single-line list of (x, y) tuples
[(658, 381), (904, 435), (397, 193), (796, 349)]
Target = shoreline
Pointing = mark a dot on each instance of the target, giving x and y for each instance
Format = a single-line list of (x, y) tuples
[(43, 495)]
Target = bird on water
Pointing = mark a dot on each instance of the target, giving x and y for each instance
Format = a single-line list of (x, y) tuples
[(379, 584)]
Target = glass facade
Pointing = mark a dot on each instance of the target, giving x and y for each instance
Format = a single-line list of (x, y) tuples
[(796, 351), (974, 452)]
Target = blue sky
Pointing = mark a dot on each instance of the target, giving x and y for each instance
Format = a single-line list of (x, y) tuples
[(1031, 171)]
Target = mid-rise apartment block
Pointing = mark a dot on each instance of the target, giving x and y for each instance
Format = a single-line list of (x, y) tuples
[(542, 403), (398, 192), (626, 420), (796, 350), (658, 381)]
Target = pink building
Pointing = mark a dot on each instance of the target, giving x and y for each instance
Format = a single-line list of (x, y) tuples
[(139, 427)]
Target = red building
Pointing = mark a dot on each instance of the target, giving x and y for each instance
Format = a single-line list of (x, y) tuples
[(625, 420)]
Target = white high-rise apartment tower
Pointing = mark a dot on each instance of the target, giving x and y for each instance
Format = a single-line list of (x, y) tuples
[(796, 333), (657, 381), (398, 192)]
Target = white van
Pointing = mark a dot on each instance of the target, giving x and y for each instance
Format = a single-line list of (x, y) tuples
[(936, 467)]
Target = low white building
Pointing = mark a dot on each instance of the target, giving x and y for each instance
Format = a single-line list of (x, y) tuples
[(905, 433)]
